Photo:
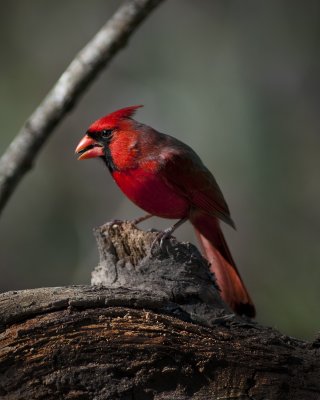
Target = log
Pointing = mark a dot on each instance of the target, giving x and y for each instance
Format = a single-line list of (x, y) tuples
[(152, 326)]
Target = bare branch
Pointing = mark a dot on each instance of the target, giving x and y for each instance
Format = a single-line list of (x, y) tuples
[(18, 158)]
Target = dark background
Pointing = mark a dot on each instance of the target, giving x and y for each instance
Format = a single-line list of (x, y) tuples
[(238, 81)]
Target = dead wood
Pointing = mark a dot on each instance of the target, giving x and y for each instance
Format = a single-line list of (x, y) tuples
[(156, 329)]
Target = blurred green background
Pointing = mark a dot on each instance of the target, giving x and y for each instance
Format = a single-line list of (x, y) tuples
[(238, 81)]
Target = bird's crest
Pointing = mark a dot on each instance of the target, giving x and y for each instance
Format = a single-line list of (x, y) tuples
[(114, 118), (126, 112)]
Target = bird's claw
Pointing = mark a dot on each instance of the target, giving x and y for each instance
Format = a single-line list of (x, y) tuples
[(166, 233), (160, 238), (134, 221)]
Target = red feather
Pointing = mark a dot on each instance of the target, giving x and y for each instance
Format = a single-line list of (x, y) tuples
[(111, 120)]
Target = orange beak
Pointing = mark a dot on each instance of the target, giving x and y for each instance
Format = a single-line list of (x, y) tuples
[(89, 148)]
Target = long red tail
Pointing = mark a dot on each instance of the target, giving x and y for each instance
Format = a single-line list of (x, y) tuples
[(216, 251)]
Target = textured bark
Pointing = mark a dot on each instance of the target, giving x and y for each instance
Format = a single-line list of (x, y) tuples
[(157, 330)]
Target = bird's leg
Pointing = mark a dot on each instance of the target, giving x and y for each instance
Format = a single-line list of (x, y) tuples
[(168, 232), (133, 221), (141, 219)]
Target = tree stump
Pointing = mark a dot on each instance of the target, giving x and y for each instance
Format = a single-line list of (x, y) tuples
[(152, 326)]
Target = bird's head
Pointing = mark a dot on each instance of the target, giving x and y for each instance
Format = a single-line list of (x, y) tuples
[(96, 141)]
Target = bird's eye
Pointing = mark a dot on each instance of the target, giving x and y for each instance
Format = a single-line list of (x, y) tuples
[(106, 133)]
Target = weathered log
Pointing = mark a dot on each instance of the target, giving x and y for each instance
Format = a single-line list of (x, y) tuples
[(154, 328)]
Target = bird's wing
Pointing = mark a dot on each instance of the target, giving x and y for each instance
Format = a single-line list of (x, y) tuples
[(184, 171)]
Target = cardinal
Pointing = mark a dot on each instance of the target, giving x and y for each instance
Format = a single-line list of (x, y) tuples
[(166, 178)]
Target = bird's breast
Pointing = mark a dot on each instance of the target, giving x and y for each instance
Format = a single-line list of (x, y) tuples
[(151, 193)]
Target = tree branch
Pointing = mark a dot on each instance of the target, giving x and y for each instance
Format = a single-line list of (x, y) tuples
[(19, 156)]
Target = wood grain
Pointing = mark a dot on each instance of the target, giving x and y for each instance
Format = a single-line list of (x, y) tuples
[(156, 330)]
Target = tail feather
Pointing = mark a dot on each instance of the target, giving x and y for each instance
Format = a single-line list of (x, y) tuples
[(216, 251)]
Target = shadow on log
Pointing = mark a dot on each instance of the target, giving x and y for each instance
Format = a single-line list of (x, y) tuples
[(152, 327)]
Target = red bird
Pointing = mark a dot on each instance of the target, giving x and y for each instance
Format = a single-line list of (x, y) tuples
[(166, 178)]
